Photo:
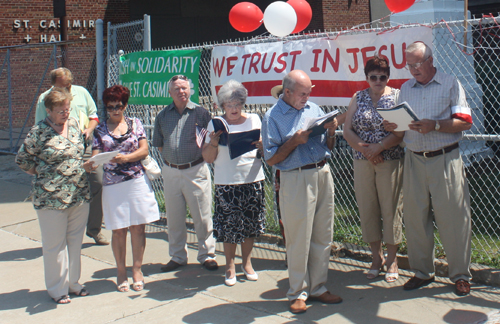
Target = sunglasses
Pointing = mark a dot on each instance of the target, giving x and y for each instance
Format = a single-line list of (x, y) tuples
[(381, 78), (115, 108), (177, 77)]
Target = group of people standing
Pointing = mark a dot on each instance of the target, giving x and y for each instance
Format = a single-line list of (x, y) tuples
[(429, 172)]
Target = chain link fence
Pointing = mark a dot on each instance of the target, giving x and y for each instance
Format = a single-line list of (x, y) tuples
[(470, 53)]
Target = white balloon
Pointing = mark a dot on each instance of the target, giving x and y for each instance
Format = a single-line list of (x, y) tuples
[(280, 18)]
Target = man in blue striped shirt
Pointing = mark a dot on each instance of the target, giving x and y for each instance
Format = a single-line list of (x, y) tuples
[(306, 189)]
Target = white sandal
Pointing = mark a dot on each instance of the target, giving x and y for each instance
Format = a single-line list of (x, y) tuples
[(391, 277)]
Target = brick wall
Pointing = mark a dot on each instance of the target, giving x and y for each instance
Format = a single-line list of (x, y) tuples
[(27, 19), (337, 14)]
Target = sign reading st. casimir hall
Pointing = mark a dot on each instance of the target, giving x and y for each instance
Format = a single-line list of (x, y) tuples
[(146, 74), (50, 26)]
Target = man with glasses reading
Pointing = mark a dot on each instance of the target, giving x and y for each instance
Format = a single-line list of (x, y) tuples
[(84, 110), (186, 176), (434, 175), (306, 189)]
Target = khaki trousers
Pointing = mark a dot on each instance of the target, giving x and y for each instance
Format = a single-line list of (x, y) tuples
[(379, 193), (94, 222), (194, 187), (306, 204), (62, 236), (438, 182)]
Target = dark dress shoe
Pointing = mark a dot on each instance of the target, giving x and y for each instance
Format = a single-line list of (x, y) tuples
[(327, 298), (211, 265), (170, 266), (415, 283), (462, 287), (298, 306)]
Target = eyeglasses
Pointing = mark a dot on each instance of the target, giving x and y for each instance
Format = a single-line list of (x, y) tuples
[(374, 78), (64, 112), (177, 77), (416, 65), (115, 108)]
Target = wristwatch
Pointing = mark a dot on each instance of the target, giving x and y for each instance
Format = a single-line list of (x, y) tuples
[(437, 127)]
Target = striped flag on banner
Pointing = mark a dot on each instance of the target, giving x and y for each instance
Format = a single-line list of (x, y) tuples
[(200, 135)]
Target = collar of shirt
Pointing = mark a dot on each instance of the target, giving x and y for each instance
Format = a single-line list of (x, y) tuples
[(438, 78), (190, 105), (285, 108)]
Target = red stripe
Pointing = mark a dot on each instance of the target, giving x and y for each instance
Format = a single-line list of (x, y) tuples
[(465, 117), (322, 88)]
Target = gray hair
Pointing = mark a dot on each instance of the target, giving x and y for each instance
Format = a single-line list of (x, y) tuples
[(289, 83), (232, 90), (420, 46)]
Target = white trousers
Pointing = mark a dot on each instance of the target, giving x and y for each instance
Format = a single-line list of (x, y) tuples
[(306, 204), (62, 236), (194, 187)]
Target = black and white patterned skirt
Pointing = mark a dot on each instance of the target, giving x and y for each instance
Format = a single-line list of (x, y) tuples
[(239, 212)]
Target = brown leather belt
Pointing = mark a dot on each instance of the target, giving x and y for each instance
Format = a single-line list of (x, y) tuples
[(311, 166), (184, 166), (444, 150)]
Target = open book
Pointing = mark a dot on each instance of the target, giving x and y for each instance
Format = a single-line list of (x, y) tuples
[(401, 114), (317, 124), (238, 143)]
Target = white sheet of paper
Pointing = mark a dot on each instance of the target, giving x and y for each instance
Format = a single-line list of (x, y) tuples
[(399, 117), (103, 157)]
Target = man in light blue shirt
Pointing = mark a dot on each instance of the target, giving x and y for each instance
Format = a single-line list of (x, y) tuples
[(306, 189)]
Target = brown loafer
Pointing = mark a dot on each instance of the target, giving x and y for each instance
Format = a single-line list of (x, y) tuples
[(298, 306), (415, 283), (327, 298), (462, 287), (170, 266), (211, 265)]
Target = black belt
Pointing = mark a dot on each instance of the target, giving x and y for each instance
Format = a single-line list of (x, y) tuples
[(184, 166), (311, 166), (444, 150)]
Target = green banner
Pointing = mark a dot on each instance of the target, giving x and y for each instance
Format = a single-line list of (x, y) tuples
[(146, 74)]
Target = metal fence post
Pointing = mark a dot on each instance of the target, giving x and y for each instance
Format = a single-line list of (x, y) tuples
[(99, 38), (9, 90), (147, 33)]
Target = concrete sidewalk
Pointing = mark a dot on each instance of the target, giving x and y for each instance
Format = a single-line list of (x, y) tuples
[(195, 295)]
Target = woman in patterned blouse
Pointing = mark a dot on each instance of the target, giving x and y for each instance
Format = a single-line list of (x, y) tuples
[(378, 168), (52, 152)]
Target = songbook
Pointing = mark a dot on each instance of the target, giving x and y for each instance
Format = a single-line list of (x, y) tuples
[(316, 124), (103, 157), (238, 143), (221, 124), (401, 115)]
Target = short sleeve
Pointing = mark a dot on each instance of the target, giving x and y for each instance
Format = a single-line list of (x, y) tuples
[(157, 132), (139, 130), (26, 156)]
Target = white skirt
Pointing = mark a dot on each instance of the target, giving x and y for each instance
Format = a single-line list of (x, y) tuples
[(128, 203)]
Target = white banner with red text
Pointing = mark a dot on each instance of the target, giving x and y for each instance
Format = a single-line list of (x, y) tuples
[(335, 66)]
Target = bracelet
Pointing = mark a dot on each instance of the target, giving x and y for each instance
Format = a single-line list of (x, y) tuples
[(380, 142), (332, 136), (213, 145)]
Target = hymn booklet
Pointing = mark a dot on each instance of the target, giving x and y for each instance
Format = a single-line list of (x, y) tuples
[(238, 143), (316, 124), (401, 115)]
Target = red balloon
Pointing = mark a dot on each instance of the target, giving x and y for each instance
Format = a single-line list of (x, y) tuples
[(245, 17), (304, 14), (399, 5)]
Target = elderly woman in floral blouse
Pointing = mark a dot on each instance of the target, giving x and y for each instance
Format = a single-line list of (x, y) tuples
[(52, 152)]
